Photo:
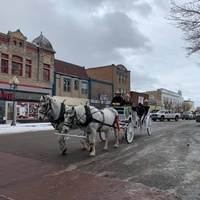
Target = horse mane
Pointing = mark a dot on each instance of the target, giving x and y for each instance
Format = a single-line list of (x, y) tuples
[(80, 110)]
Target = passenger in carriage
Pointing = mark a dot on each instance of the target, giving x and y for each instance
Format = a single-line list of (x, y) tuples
[(127, 100), (117, 99), (140, 110)]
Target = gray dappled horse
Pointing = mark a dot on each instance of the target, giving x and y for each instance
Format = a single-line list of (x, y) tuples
[(54, 110), (92, 120)]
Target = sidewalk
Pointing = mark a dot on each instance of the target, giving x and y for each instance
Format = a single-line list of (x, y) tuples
[(25, 127)]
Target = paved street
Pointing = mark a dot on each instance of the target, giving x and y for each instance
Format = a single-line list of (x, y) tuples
[(164, 165)]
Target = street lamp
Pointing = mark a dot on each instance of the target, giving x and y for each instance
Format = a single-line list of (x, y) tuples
[(14, 85)]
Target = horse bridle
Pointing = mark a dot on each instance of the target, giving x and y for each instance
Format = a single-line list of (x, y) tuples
[(48, 107), (76, 121)]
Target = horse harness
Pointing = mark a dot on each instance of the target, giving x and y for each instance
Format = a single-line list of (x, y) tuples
[(60, 118), (89, 119)]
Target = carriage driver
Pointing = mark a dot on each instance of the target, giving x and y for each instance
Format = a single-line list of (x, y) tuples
[(117, 99)]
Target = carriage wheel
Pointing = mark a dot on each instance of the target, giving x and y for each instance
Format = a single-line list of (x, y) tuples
[(129, 133), (102, 136), (149, 125)]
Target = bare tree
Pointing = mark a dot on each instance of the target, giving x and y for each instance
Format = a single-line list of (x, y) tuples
[(187, 18)]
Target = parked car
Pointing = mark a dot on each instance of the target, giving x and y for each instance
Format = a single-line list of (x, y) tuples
[(187, 115), (197, 117), (165, 115)]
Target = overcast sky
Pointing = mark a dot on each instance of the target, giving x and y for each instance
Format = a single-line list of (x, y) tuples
[(92, 33)]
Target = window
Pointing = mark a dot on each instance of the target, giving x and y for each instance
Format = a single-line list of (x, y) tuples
[(46, 72), (76, 82), (4, 63), (118, 77), (28, 69), (124, 79), (67, 85), (84, 88), (17, 65)]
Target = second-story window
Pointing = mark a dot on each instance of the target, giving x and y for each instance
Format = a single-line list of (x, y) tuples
[(17, 63), (67, 85), (84, 88), (28, 69), (76, 82), (46, 72), (4, 63)]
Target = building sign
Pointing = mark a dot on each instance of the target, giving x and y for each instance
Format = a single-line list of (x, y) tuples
[(140, 99), (6, 96)]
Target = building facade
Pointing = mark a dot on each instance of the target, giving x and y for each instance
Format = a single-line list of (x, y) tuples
[(165, 99), (188, 105), (118, 75), (33, 65), (71, 83), (139, 97), (100, 94)]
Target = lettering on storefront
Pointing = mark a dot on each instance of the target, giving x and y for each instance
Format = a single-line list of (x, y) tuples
[(6, 96)]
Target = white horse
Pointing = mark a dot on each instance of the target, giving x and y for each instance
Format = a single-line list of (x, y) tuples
[(92, 120), (54, 110)]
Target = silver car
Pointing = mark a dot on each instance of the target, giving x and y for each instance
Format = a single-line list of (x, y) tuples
[(187, 115)]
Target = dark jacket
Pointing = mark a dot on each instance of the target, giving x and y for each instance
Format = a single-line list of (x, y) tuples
[(127, 102), (140, 110), (118, 99)]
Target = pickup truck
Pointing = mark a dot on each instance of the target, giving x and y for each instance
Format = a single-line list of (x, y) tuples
[(165, 115)]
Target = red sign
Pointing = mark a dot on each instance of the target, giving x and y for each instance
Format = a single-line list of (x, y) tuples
[(7, 96)]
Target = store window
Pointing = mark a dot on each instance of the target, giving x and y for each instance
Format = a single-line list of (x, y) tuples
[(4, 63), (17, 63), (2, 111), (27, 110)]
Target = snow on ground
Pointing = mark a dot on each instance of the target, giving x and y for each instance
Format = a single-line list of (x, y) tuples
[(26, 127)]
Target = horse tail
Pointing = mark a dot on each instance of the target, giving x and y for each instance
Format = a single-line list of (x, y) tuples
[(119, 131)]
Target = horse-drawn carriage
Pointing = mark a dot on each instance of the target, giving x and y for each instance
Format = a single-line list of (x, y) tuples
[(127, 123), (91, 120)]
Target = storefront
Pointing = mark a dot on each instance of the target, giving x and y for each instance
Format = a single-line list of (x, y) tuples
[(26, 105)]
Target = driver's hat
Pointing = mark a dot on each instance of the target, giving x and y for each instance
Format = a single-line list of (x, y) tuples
[(118, 92)]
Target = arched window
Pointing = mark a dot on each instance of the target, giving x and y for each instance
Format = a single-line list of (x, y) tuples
[(17, 63)]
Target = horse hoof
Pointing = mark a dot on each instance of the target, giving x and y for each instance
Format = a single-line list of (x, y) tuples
[(116, 146), (64, 152), (105, 150)]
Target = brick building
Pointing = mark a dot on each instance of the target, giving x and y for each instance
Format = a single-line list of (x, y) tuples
[(70, 82), (100, 93), (33, 65), (118, 75), (138, 97)]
